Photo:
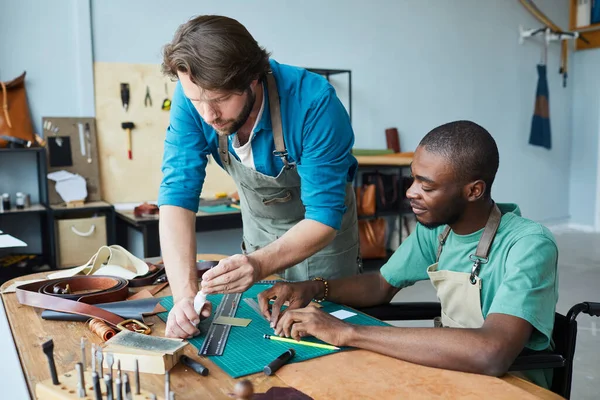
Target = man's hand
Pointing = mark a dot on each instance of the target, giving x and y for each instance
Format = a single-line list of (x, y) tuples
[(311, 321), (232, 275), (297, 295), (183, 319)]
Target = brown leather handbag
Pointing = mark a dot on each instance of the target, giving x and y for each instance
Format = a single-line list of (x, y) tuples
[(372, 238), (15, 119), (365, 199)]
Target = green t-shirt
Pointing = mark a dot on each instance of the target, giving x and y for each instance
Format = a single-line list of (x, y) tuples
[(520, 278)]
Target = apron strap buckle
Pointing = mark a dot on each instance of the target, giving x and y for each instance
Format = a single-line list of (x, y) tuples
[(283, 155), (477, 261)]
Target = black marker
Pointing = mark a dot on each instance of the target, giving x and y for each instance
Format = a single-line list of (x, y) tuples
[(195, 365), (279, 362)]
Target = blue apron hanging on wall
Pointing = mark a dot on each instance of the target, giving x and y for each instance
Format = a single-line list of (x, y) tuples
[(540, 125)]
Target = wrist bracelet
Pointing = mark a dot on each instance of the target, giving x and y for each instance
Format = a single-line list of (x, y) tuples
[(326, 292)]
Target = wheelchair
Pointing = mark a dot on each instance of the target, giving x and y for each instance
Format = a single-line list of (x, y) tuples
[(564, 336)]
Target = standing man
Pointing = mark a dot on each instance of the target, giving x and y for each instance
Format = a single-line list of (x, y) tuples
[(286, 140)]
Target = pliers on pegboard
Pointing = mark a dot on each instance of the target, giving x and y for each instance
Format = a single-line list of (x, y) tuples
[(148, 99)]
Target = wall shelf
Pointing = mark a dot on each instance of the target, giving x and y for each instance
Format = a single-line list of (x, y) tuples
[(34, 208), (591, 33)]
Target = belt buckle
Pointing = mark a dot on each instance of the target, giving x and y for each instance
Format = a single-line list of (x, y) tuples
[(142, 328)]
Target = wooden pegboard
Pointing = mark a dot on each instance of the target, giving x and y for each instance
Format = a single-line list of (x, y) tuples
[(138, 179)]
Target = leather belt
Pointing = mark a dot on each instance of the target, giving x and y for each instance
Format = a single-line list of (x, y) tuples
[(99, 289), (77, 294)]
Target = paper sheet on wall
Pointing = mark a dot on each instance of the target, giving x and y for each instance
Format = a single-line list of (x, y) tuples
[(70, 187)]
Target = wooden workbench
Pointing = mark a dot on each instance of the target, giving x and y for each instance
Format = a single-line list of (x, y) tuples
[(353, 374)]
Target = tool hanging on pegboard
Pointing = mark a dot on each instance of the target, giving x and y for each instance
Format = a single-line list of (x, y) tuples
[(166, 104)]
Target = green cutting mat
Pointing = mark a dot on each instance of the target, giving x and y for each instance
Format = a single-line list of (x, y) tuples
[(247, 352)]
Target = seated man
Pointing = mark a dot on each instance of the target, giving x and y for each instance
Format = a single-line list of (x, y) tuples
[(494, 271)]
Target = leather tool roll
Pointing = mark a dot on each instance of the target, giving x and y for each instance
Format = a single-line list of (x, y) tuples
[(83, 291)]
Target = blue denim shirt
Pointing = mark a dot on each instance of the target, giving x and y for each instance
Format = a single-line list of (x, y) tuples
[(317, 133)]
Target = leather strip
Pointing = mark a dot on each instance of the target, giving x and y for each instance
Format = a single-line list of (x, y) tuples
[(128, 309), (93, 290)]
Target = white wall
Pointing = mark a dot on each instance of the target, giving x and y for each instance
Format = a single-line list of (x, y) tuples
[(584, 176), (416, 64)]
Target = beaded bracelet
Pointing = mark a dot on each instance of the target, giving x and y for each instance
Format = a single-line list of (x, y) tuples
[(318, 278)]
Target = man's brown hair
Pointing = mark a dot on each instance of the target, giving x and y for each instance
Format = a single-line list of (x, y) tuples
[(217, 52)]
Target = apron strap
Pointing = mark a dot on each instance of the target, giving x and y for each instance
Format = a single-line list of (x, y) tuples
[(484, 245), (491, 227), (224, 149), (442, 239), (275, 108)]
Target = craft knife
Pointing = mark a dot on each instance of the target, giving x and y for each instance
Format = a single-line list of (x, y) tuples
[(167, 384), (80, 380), (100, 358), (109, 387), (96, 385), (137, 377), (48, 348), (83, 363), (118, 388), (127, 387)]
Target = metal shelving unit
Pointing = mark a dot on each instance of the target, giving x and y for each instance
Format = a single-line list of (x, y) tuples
[(327, 73), (15, 220), (47, 214)]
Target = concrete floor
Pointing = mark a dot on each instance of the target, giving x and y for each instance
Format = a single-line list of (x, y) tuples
[(579, 280)]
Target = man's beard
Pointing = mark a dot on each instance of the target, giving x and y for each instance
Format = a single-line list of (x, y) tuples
[(241, 119), (450, 215)]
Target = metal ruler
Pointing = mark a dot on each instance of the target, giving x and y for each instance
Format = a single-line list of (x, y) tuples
[(217, 335), (270, 282)]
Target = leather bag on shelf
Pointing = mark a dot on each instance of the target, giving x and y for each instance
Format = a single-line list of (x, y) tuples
[(15, 118), (372, 238)]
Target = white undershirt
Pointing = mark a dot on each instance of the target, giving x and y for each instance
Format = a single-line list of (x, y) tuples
[(245, 152)]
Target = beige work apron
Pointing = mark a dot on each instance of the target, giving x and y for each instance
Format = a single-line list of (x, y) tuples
[(459, 292)]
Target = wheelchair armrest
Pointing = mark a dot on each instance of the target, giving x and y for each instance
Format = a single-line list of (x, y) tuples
[(588, 307), (530, 359), (404, 311), (593, 309)]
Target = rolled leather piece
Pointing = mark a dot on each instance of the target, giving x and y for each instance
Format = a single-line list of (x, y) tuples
[(128, 309)]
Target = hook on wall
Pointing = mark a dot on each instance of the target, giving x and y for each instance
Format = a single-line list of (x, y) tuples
[(549, 34)]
